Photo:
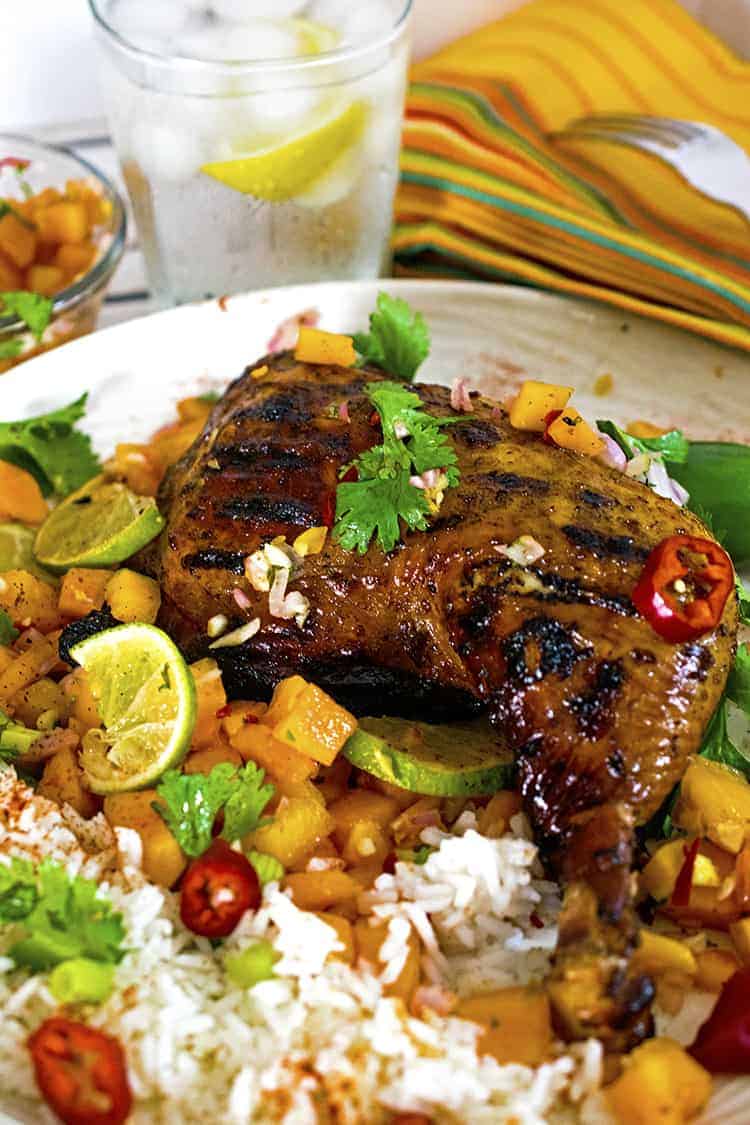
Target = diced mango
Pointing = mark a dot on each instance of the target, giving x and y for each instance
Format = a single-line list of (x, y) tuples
[(660, 1085), (709, 908), (571, 431), (306, 718), (82, 702), (194, 409), (310, 542), (298, 826), (361, 806), (133, 596), (74, 258), (516, 1022), (46, 280), (714, 801), (20, 495), (137, 466), (82, 590), (17, 240), (321, 890), (169, 443), (366, 842), (369, 938), (716, 966), (740, 935), (657, 954), (239, 714), (210, 699), (203, 761), (66, 221), (316, 346), (660, 873), (641, 429), (344, 933), (163, 859), (42, 697), (29, 601), (255, 741), (62, 782), (534, 402), (10, 276)]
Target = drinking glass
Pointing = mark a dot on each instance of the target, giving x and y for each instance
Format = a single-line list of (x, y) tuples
[(258, 139)]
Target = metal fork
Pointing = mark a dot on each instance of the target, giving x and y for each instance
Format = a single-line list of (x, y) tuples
[(704, 156)]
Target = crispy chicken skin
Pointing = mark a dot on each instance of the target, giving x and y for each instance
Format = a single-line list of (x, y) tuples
[(601, 712)]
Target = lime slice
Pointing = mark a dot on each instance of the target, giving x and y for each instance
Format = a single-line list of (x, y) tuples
[(17, 550), (313, 38), (146, 699), (101, 524), (280, 173), (445, 760)]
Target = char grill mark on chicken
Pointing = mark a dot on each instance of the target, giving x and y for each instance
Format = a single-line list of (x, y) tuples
[(601, 712)]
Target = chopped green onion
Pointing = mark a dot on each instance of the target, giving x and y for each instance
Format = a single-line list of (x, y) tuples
[(267, 867), (252, 965), (81, 981)]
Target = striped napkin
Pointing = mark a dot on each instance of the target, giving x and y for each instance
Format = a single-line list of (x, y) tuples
[(488, 189)]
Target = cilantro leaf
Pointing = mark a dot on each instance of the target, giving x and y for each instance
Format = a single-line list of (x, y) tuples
[(398, 340), (62, 916), (191, 803), (672, 446), (383, 495), (18, 890), (743, 601), (738, 685), (58, 455), (209, 397), (34, 310), (717, 745), (373, 507), (9, 349), (249, 797), (8, 631)]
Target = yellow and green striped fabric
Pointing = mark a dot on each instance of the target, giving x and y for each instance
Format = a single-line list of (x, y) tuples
[(489, 189)]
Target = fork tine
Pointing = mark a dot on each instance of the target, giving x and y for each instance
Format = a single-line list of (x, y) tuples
[(633, 125)]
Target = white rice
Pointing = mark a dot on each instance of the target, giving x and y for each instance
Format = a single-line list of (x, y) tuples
[(199, 1049)]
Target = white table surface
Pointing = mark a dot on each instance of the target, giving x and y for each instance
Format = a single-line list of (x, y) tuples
[(57, 98)]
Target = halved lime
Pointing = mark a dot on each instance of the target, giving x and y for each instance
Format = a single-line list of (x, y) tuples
[(17, 550), (440, 760), (286, 170), (146, 699), (101, 524)]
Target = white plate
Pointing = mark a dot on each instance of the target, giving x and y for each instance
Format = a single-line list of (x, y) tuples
[(494, 335)]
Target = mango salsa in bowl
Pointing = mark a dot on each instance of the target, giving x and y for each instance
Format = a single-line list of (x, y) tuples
[(62, 233)]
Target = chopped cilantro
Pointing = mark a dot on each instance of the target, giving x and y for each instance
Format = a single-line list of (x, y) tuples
[(34, 310), (398, 340), (418, 855), (383, 494), (57, 454), (717, 745), (738, 685), (743, 601), (9, 349), (15, 739), (209, 397), (672, 446), (62, 916), (190, 803), (8, 631)]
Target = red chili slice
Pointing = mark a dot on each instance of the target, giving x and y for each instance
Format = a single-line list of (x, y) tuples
[(548, 420), (722, 1044), (683, 884), (683, 587), (14, 162), (81, 1073), (217, 889)]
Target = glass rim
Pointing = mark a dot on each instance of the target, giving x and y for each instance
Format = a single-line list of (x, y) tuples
[(101, 271), (250, 66)]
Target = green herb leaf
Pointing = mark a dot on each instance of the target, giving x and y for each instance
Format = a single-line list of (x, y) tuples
[(743, 602), (34, 310), (717, 745), (738, 684), (8, 631), (398, 340), (9, 349), (191, 803), (672, 446), (15, 739), (383, 495), (209, 397), (267, 867), (62, 915), (249, 797), (52, 449)]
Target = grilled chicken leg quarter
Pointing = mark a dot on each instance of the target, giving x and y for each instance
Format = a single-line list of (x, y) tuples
[(601, 712)]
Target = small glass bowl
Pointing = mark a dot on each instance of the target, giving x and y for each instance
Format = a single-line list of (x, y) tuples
[(76, 308)]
